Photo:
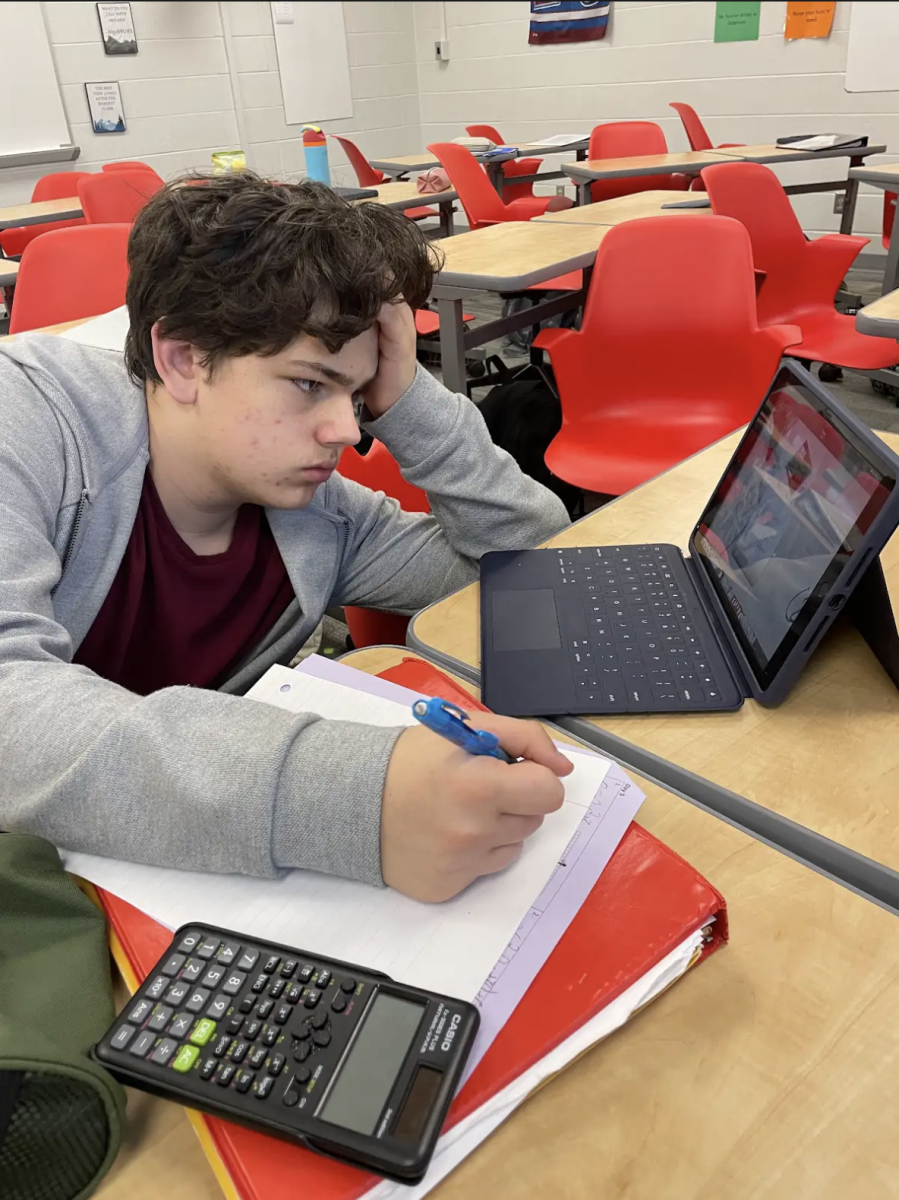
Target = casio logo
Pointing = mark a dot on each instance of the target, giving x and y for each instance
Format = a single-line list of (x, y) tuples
[(447, 1042)]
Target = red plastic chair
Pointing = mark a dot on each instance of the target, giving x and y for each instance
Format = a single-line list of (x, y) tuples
[(61, 185), (367, 176), (129, 166), (71, 273), (518, 166), (802, 277), (627, 139), (116, 196), (379, 471), (695, 130), (649, 380), (889, 212)]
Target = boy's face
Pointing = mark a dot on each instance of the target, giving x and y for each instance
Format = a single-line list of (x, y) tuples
[(273, 428)]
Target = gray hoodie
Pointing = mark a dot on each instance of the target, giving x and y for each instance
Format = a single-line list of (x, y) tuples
[(188, 777)]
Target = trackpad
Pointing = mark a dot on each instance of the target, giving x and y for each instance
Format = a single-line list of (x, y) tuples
[(525, 620)]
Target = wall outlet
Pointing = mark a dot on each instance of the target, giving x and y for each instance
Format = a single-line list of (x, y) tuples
[(442, 51), (839, 202), (560, 189)]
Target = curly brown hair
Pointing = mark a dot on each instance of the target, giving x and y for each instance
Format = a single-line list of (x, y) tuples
[(236, 264)]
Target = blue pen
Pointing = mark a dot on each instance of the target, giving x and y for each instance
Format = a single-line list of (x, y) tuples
[(451, 722)]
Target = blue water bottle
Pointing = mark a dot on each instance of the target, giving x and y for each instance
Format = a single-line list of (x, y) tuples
[(315, 151)]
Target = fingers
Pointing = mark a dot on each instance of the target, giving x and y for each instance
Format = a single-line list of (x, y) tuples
[(524, 789), (511, 828), (526, 739)]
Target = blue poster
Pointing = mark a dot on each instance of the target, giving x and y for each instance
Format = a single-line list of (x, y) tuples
[(557, 21)]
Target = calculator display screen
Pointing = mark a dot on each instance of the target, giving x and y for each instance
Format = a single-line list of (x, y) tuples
[(361, 1089)]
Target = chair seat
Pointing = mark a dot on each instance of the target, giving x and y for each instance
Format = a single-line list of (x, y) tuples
[(420, 214), (631, 440), (571, 282), (525, 207), (833, 338), (427, 321)]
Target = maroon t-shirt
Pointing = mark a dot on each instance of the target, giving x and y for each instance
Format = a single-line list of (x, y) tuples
[(176, 617)]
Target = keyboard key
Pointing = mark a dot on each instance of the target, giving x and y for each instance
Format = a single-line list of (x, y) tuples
[(234, 1025), (290, 1098), (208, 947), (189, 943), (181, 1025), (272, 964), (203, 1031), (246, 1005), (283, 1015), (277, 988), (321, 1037), (174, 964), (220, 1049), (177, 993), (260, 983), (142, 1044), (293, 993), (213, 976), (301, 1051), (257, 1057), (248, 960), (185, 1058), (194, 969), (244, 1081), (264, 1008), (234, 983), (311, 998), (140, 1011), (252, 1029), (306, 973), (225, 1074), (198, 1000), (270, 1035), (324, 978), (164, 1051), (123, 1037), (239, 1053), (264, 1087), (287, 970), (338, 1004), (208, 1068), (162, 1014), (276, 1064), (228, 953), (319, 1020), (218, 1007)]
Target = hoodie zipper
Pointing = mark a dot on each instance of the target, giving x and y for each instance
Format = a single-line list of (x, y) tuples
[(79, 513)]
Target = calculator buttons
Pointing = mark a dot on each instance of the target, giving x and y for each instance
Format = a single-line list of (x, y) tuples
[(290, 1098), (302, 1075), (225, 1074), (248, 960), (181, 1025), (271, 964), (218, 1007), (290, 965), (162, 1014), (311, 998), (177, 993), (174, 964), (213, 976), (348, 986), (305, 974), (282, 1016), (302, 1032), (270, 1035), (208, 947), (338, 1004), (252, 1030), (228, 953), (189, 943), (203, 1031), (244, 1081), (208, 1068), (142, 1044), (234, 983), (199, 998), (257, 1057), (123, 1037), (164, 1051), (193, 970), (320, 1020), (264, 1008), (276, 1064), (140, 1012), (239, 1053), (301, 1052), (234, 1025), (321, 1037), (324, 978), (265, 1085), (260, 983), (246, 1005), (221, 1046), (293, 993), (157, 988), (277, 988)]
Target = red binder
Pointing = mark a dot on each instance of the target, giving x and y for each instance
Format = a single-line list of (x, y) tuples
[(645, 904)]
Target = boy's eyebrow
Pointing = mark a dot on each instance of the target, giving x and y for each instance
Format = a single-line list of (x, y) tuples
[(329, 372)]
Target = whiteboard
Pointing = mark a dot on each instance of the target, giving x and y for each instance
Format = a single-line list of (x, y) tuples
[(872, 56), (33, 118), (313, 61)]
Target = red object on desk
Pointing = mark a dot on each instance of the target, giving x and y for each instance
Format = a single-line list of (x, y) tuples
[(647, 901)]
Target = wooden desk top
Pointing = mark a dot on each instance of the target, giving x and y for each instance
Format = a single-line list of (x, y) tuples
[(61, 328), (688, 161), (768, 1071), (827, 758), (515, 254), (405, 194), (766, 152), (881, 317), (38, 214), (621, 209), (881, 174), (9, 269), (405, 162)]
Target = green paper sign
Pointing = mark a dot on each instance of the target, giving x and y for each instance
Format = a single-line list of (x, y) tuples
[(737, 21)]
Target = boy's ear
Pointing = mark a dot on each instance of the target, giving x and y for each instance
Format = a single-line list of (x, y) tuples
[(179, 367)]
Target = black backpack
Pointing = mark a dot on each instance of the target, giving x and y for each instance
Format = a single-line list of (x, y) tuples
[(523, 415)]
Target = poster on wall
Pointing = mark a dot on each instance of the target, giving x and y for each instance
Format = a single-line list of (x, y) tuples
[(554, 22), (809, 20), (117, 27), (737, 20), (105, 103)]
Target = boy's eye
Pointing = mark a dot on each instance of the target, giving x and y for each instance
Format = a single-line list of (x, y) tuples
[(309, 386)]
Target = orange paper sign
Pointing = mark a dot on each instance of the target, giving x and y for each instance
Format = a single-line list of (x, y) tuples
[(809, 20)]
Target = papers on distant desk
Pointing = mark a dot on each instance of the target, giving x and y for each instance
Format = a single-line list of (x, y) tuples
[(560, 139), (823, 141), (453, 947), (108, 331)]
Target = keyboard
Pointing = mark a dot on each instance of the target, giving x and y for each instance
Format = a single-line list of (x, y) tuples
[(650, 646)]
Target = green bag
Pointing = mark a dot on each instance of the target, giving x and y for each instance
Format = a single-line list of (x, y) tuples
[(60, 1114)]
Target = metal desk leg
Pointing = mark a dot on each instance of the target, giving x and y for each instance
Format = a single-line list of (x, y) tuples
[(891, 270), (495, 175), (851, 195), (446, 218), (452, 350), (583, 192)]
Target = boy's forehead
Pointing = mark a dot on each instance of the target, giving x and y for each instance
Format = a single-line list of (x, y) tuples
[(359, 349)]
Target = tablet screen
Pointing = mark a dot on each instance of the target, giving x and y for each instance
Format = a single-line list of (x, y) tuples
[(793, 507)]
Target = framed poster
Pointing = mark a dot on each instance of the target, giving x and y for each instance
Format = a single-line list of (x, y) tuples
[(105, 103), (117, 27)]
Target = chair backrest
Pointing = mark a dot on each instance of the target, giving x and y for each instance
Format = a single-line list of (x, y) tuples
[(710, 341), (366, 176), (380, 471), (60, 185), (487, 131), (626, 139), (693, 127), (127, 166), (889, 213), (477, 194), (71, 273), (116, 196)]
